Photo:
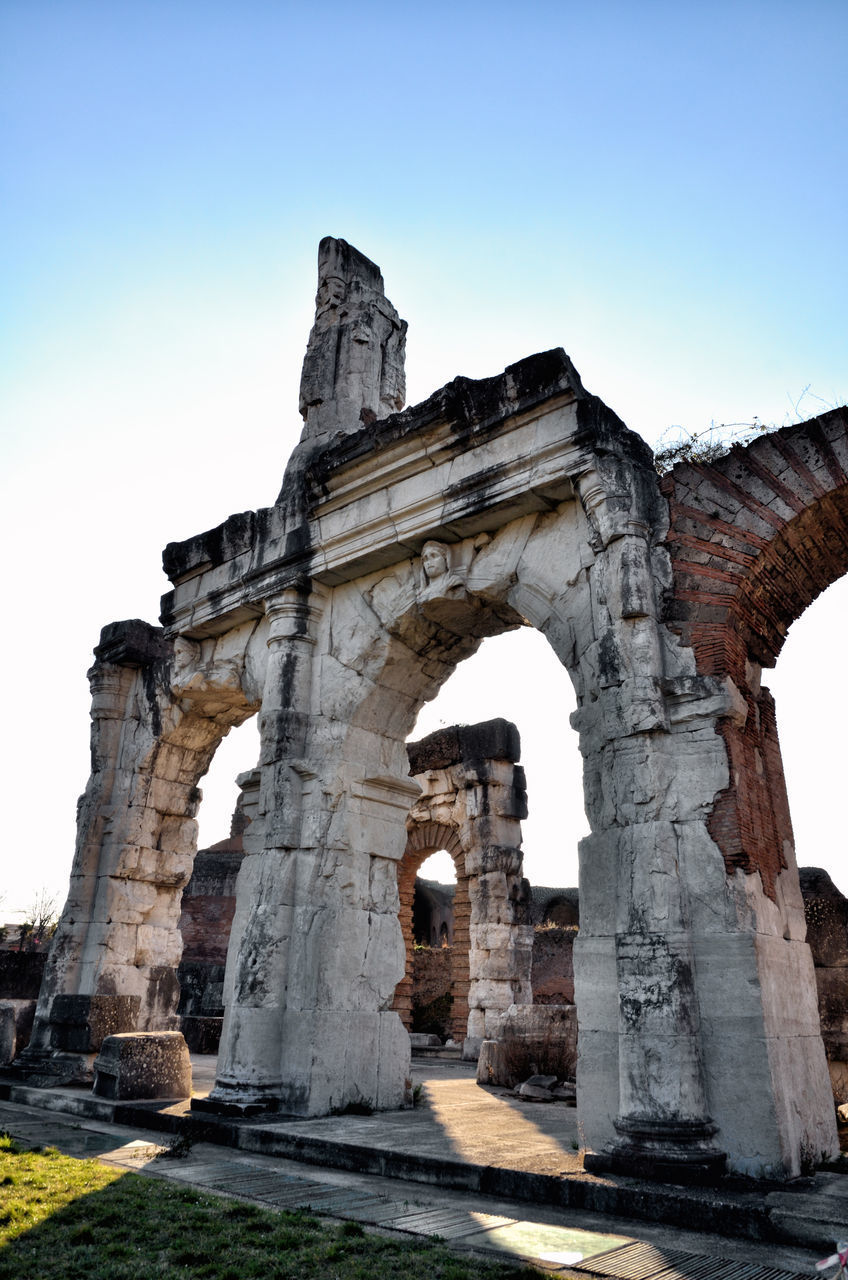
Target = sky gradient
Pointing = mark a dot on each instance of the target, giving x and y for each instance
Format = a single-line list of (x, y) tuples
[(659, 189)]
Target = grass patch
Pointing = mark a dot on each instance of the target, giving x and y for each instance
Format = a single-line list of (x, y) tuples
[(68, 1219)]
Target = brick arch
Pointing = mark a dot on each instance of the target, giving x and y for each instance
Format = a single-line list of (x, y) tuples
[(423, 841), (754, 538)]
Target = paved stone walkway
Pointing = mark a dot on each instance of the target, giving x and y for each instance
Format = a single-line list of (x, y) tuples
[(567, 1242)]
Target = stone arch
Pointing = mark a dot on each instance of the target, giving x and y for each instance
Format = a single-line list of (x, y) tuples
[(560, 910), (159, 712), (421, 843), (395, 546), (753, 538)]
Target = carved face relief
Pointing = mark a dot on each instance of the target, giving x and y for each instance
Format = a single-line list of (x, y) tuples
[(434, 560), (186, 658)]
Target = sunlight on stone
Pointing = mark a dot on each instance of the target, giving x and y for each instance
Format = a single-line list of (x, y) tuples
[(565, 1246), (451, 1109)]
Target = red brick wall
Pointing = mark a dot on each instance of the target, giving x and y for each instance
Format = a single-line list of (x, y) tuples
[(208, 903), (754, 538)]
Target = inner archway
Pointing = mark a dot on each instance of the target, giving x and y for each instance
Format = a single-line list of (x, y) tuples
[(419, 851), (432, 906), (207, 907), (810, 728), (518, 675)]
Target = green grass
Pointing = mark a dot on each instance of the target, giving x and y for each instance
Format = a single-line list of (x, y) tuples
[(68, 1219)]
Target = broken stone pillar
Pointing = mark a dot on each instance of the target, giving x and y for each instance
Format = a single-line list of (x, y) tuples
[(353, 372), (113, 958), (249, 1063), (150, 1064), (642, 1037), (473, 797), (108, 958)]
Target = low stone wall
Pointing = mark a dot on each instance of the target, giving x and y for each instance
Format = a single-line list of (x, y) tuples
[(431, 986), (532, 1040), (552, 975)]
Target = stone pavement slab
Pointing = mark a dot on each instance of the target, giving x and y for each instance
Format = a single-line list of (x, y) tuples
[(502, 1151), (563, 1241)]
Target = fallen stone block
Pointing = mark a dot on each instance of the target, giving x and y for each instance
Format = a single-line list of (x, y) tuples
[(16, 1018), (537, 1089), (202, 1034), (566, 1092), (144, 1064), (81, 1023)]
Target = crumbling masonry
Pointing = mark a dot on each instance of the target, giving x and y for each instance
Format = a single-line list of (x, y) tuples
[(399, 541)]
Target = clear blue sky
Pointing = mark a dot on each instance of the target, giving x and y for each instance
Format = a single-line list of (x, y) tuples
[(660, 189)]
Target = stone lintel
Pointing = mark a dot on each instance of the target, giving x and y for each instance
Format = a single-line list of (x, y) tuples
[(465, 743), (131, 643), (523, 442), (475, 408)]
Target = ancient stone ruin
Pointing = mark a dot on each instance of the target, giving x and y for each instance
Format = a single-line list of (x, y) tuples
[(400, 539), (469, 800)]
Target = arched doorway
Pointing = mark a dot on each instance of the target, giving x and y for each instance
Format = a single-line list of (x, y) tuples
[(159, 711), (418, 850)]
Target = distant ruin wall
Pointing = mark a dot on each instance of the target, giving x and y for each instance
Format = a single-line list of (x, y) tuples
[(826, 910), (552, 975)]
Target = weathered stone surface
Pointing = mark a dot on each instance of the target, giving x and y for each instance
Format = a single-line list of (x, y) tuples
[(419, 1040), (201, 1033), (552, 975), (465, 743), (826, 912), (82, 1023), (152, 1064), (353, 371), (396, 546), (16, 1018)]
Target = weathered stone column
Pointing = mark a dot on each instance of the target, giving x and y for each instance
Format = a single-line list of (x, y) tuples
[(249, 1060), (501, 950), (472, 786), (112, 961), (641, 941)]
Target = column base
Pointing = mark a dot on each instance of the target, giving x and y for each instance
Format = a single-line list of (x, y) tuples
[(237, 1100), (678, 1151), (50, 1069)]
